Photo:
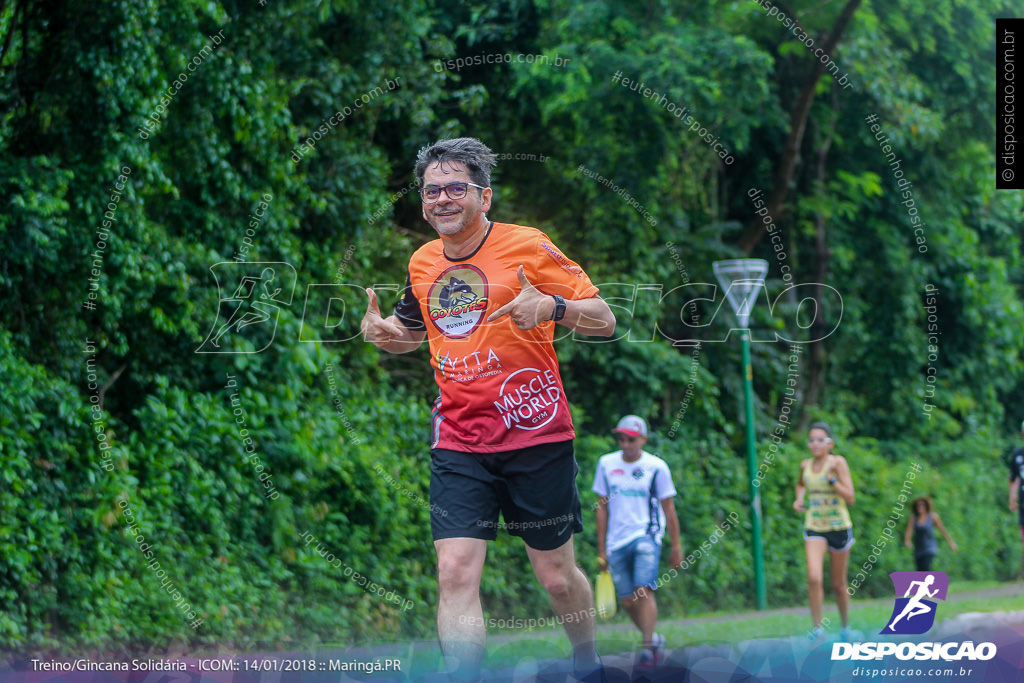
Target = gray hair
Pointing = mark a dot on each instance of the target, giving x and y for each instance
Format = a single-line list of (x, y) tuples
[(473, 154)]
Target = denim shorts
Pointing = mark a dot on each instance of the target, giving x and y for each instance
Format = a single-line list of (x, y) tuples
[(634, 565)]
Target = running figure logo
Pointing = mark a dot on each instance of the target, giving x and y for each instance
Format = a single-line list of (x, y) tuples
[(251, 311), (914, 613)]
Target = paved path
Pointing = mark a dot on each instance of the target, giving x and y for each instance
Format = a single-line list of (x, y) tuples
[(786, 660), (775, 660)]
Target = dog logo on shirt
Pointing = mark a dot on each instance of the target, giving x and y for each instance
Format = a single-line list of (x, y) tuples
[(457, 301), (456, 293)]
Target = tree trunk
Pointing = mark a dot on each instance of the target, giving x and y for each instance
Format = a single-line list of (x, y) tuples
[(798, 123), (817, 364)]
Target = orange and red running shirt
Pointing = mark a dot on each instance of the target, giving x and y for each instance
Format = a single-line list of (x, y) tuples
[(500, 386)]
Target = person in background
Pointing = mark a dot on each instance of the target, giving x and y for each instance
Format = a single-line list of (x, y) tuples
[(921, 527), (823, 490), (1017, 488), (634, 510)]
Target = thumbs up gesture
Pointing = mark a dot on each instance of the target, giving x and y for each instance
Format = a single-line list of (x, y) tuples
[(530, 307), (377, 330)]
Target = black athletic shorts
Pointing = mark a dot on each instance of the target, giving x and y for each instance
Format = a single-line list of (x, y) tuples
[(534, 488), (837, 540)]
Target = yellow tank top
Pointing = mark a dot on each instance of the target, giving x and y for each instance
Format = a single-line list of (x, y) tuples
[(826, 510)]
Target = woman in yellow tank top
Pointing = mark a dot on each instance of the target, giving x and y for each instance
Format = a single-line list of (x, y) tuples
[(823, 491)]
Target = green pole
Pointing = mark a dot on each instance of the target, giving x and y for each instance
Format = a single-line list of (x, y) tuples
[(755, 495)]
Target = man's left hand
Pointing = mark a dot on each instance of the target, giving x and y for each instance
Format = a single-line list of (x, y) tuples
[(675, 558), (530, 308)]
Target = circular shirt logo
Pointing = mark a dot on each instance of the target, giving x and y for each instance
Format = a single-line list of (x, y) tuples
[(531, 401), (457, 301)]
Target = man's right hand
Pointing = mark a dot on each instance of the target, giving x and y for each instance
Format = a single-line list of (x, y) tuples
[(376, 329), (602, 561)]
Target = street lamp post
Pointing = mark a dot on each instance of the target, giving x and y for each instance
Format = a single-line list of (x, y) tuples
[(742, 280)]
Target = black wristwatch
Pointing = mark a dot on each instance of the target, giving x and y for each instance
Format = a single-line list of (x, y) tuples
[(559, 311)]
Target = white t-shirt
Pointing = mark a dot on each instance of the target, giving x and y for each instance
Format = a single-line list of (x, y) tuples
[(634, 505)]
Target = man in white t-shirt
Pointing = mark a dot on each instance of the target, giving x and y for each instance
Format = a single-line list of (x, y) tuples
[(634, 510)]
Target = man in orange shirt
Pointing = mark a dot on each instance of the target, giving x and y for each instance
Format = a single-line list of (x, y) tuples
[(487, 295)]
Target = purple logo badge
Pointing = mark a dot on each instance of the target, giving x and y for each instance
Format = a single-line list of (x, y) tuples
[(916, 592)]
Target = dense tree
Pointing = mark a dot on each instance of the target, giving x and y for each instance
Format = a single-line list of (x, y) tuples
[(155, 157)]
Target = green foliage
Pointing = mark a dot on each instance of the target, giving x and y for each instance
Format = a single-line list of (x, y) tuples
[(124, 184)]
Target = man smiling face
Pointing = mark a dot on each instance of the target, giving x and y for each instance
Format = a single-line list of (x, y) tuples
[(449, 217)]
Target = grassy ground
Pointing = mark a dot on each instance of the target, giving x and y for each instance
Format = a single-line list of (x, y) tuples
[(617, 635)]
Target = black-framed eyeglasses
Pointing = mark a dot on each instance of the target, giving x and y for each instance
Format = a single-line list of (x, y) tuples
[(623, 437), (456, 190)]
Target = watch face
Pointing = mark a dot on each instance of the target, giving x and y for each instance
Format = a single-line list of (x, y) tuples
[(559, 312)]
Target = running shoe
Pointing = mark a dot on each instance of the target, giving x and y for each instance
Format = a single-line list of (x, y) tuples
[(816, 635), (650, 656), (593, 676), (648, 659)]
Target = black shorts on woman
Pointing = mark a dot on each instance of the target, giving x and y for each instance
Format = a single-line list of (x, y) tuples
[(838, 540)]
